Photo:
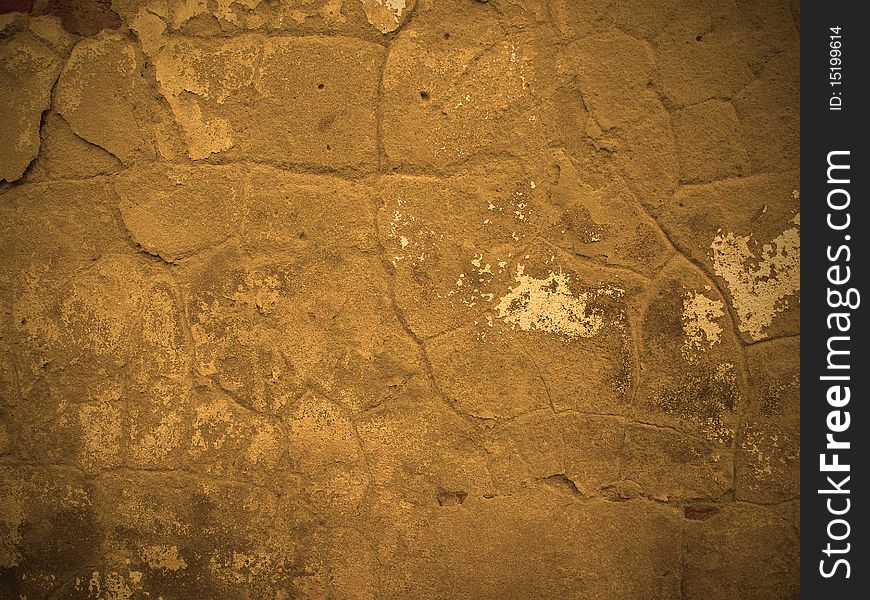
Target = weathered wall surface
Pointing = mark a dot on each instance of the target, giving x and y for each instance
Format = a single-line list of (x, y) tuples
[(384, 299)]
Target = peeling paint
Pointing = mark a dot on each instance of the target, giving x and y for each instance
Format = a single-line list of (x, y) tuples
[(700, 322), (760, 280), (385, 15), (550, 306)]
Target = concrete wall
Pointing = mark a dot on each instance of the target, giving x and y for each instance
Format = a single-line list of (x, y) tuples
[(396, 299)]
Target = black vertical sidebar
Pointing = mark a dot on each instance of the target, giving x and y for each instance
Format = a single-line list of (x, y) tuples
[(834, 339)]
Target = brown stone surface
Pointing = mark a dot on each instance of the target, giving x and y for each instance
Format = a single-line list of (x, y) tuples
[(767, 459), (83, 17), (771, 103), (123, 117), (281, 100), (198, 207), (453, 93), (709, 143), (63, 154), (28, 69), (743, 550), (399, 299), (752, 249)]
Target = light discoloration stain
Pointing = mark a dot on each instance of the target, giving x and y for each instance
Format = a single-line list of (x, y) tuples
[(182, 89), (759, 282), (163, 556), (768, 452), (386, 15), (700, 322), (549, 305)]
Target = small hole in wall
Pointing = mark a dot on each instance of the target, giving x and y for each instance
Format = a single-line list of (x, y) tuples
[(424, 95), (320, 86), (446, 35), (328, 147), (302, 235), (699, 37)]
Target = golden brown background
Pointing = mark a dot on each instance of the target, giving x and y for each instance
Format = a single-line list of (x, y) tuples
[(384, 299)]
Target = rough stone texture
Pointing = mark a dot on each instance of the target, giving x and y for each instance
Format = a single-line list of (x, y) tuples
[(106, 100), (689, 356), (771, 103), (452, 93), (668, 464), (606, 223), (742, 550), (307, 101), (196, 208), (768, 456), (63, 154), (28, 69), (708, 138), (394, 299), (752, 250)]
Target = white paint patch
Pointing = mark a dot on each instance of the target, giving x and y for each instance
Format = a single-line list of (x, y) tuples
[(385, 15), (700, 322), (395, 6), (759, 283), (549, 305)]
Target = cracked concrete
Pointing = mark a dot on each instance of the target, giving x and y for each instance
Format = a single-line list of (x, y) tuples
[(399, 299)]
